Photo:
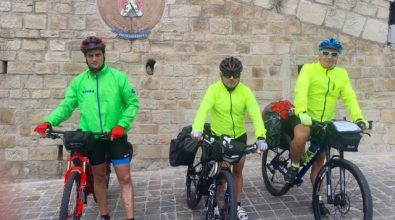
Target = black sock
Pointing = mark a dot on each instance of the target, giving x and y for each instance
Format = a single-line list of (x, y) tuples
[(238, 203), (130, 218), (105, 217)]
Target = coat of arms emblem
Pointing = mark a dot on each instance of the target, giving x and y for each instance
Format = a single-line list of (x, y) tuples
[(131, 19)]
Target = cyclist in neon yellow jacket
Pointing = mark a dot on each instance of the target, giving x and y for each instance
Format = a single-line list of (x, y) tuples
[(108, 103), (318, 87), (228, 101)]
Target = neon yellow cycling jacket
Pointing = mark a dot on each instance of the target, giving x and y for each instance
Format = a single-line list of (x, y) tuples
[(317, 90), (228, 111), (105, 99)]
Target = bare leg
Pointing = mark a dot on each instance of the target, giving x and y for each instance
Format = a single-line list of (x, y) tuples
[(317, 165), (125, 181), (301, 135), (100, 186), (238, 175)]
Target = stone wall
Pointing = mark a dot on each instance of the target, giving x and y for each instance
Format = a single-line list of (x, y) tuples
[(39, 43)]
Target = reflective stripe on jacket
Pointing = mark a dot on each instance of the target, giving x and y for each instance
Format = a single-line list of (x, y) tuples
[(317, 90), (105, 99), (228, 111)]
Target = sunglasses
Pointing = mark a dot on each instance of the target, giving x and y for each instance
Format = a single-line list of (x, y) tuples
[(326, 53), (229, 74)]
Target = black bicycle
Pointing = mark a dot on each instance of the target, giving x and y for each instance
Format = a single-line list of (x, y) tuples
[(209, 175), (347, 191)]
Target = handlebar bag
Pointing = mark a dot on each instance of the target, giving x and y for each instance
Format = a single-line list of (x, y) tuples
[(74, 140), (343, 135)]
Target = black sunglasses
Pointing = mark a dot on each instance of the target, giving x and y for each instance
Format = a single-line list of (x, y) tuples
[(229, 74), (326, 53)]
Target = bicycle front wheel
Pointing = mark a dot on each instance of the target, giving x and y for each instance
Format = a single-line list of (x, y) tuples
[(69, 205), (351, 197), (226, 198), (275, 163), (194, 182)]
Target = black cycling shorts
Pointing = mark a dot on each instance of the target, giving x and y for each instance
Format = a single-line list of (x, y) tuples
[(118, 151)]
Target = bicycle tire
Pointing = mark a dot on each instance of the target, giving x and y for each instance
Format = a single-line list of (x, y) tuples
[(70, 194), (271, 164), (194, 182), (226, 199), (360, 193)]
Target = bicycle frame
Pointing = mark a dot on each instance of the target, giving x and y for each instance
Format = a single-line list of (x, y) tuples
[(86, 181)]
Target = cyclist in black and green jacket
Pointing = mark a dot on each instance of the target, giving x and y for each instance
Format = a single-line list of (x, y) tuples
[(318, 87), (107, 102), (228, 101)]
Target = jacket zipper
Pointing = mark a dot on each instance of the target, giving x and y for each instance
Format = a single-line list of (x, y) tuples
[(327, 92), (98, 101), (231, 115)]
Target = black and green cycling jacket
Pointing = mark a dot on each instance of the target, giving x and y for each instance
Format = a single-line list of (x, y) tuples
[(228, 111), (105, 99), (317, 90)]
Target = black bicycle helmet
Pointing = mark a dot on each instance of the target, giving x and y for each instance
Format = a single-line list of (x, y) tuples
[(230, 66), (91, 43)]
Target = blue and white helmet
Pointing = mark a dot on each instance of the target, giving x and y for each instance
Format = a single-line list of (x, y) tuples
[(331, 43)]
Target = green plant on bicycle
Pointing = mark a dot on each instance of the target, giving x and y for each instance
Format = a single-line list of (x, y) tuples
[(209, 175), (344, 188)]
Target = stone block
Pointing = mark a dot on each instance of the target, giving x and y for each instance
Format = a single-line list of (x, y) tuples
[(354, 24), (365, 8), (11, 44), (267, 4), (311, 13), (34, 44), (42, 7), (73, 68), (41, 94), (46, 68), (387, 116), (161, 117), (31, 55), (376, 30), (43, 153), (26, 33), (185, 104), (22, 6), (335, 18), (149, 151), (234, 9), (33, 82), (146, 129), (4, 93), (196, 83), (16, 154), (57, 22), (185, 10), (220, 25), (213, 10), (10, 21), (390, 135), (5, 6), (7, 141), (76, 23), (7, 116), (94, 23), (7, 55), (63, 8), (20, 68), (365, 84), (173, 25), (346, 4), (33, 21)]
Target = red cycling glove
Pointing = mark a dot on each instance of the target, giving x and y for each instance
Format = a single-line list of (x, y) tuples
[(117, 132), (41, 129)]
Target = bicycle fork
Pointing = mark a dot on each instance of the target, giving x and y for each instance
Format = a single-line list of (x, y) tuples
[(211, 198)]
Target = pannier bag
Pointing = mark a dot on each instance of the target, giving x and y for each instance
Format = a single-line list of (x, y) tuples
[(74, 140), (183, 148), (274, 115), (343, 135)]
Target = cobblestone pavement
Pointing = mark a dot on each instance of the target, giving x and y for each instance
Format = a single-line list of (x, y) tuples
[(161, 195)]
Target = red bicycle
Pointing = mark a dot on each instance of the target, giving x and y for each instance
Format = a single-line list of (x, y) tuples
[(78, 179)]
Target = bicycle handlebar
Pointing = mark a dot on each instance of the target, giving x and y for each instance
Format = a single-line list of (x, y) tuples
[(55, 134)]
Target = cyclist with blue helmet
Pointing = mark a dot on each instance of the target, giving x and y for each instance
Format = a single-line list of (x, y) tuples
[(107, 102), (318, 87)]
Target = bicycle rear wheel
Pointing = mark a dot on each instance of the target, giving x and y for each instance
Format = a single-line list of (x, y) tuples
[(69, 205), (226, 198), (350, 190), (275, 163)]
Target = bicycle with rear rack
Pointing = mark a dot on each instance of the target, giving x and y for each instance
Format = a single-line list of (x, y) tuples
[(78, 179), (345, 189), (209, 175)]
